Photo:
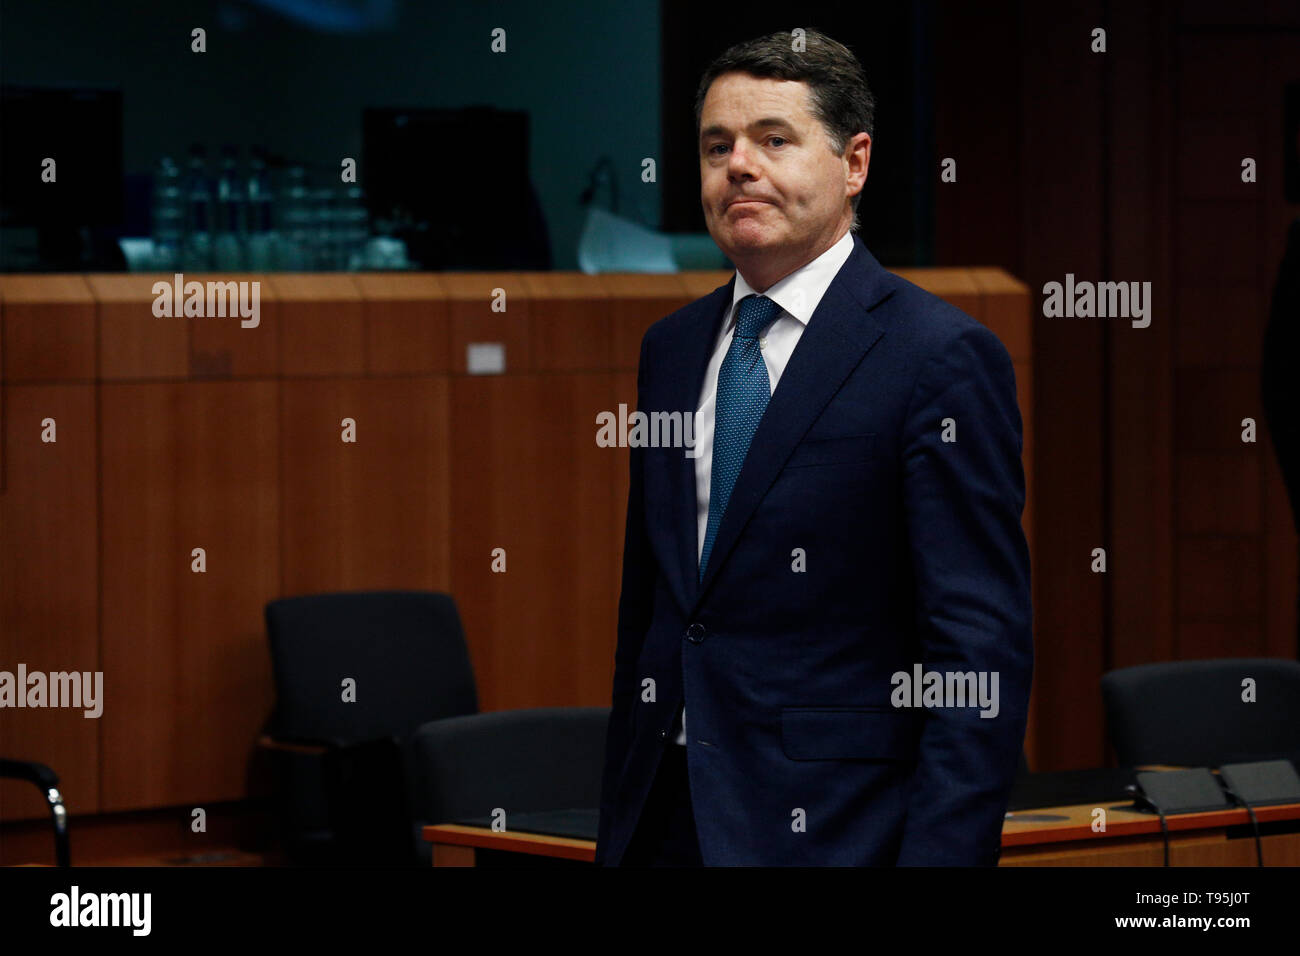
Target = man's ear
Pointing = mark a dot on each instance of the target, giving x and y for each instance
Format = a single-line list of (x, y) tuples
[(857, 158)]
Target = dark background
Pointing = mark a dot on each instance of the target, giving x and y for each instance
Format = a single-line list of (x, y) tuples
[(895, 44)]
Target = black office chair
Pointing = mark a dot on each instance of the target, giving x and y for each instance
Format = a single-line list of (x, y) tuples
[(541, 766), (1191, 713), (341, 754), (47, 781)]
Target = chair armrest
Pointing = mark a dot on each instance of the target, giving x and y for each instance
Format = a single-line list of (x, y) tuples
[(47, 781), (31, 771)]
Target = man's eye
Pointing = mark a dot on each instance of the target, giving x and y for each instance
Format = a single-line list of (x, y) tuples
[(778, 140)]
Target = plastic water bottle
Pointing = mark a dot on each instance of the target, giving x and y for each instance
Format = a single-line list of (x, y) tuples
[(295, 226), (323, 235), (354, 227), (168, 227), (228, 241), (261, 237), (197, 251)]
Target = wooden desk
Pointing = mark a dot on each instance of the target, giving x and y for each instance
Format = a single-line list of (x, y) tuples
[(1052, 836), (1217, 838), (455, 845)]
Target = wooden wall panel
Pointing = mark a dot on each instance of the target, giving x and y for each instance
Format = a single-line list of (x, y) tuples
[(471, 296), (1281, 546), (1220, 325), (1218, 570), (571, 324), (48, 329), (1022, 171), (49, 586), (528, 477), (1138, 374), (1281, 566), (407, 326), (1222, 91), (636, 302), (1209, 407), (186, 667), (371, 514), (1281, 52), (321, 325), (223, 347), (1212, 147), (1218, 493), (134, 343), (1061, 159), (1219, 578), (1127, 166), (1215, 242)]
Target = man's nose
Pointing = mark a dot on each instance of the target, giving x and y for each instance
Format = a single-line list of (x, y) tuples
[(740, 162)]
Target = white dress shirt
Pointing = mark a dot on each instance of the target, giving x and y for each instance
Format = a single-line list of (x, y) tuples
[(798, 295)]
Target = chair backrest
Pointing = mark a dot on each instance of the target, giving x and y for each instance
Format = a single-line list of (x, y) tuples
[(545, 758), (1192, 713), (405, 650)]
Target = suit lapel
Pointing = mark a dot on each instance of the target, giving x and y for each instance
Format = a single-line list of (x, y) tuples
[(837, 337), (695, 347)]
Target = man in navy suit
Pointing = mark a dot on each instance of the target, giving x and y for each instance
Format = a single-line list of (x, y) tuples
[(824, 632)]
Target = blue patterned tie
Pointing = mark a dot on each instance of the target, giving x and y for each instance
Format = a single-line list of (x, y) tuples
[(743, 392)]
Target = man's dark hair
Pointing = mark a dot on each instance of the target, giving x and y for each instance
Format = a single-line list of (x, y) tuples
[(840, 97)]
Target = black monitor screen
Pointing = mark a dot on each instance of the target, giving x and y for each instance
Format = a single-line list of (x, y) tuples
[(458, 177), (81, 130)]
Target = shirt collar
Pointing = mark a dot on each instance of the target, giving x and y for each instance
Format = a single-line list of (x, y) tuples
[(801, 291)]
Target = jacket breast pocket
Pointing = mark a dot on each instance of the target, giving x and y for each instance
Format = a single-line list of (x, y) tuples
[(843, 450), (849, 733)]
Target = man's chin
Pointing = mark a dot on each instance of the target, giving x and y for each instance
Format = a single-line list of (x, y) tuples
[(743, 241)]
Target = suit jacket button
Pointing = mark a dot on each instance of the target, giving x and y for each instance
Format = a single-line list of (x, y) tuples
[(695, 633)]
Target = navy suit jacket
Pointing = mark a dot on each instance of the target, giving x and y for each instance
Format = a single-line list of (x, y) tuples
[(913, 553)]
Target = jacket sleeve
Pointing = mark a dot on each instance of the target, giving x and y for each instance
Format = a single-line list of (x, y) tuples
[(634, 610), (970, 563)]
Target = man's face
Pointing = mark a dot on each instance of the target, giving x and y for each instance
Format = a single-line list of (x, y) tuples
[(759, 142)]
